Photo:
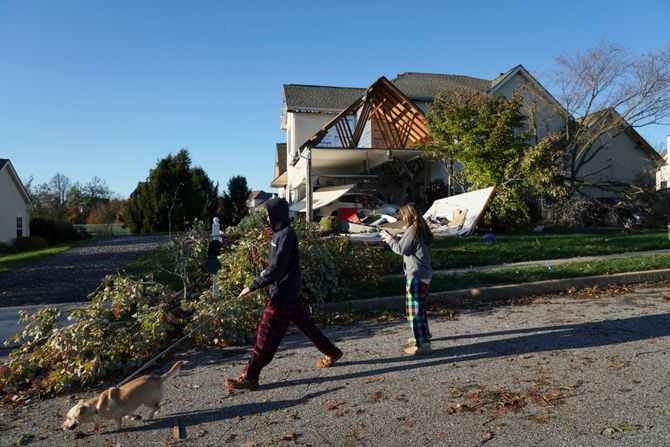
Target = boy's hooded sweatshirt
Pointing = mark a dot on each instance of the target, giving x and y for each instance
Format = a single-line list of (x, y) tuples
[(282, 275)]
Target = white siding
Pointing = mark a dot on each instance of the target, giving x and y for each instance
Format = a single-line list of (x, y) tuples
[(12, 205), (537, 107)]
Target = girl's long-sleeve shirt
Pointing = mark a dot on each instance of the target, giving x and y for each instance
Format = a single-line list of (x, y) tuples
[(415, 255)]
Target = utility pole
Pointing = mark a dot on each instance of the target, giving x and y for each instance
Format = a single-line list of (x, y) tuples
[(308, 187)]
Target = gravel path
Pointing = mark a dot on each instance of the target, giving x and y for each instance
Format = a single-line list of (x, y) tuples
[(563, 370), (71, 276)]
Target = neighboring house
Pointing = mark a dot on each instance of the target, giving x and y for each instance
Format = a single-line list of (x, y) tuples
[(663, 173), (371, 137), (15, 205), (621, 158), (257, 198)]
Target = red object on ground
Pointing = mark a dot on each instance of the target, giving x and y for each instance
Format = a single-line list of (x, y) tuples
[(348, 214)]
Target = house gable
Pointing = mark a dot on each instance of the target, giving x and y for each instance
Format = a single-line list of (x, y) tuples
[(398, 122), (6, 166)]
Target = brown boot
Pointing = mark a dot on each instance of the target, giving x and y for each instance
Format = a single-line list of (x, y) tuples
[(240, 383), (327, 362)]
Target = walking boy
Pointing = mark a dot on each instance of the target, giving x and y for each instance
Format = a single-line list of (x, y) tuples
[(282, 277)]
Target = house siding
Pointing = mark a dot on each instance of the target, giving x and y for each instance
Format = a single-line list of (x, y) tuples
[(619, 161), (300, 127), (536, 106), (12, 205), (663, 174)]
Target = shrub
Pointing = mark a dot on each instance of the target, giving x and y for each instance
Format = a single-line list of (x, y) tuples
[(509, 208), (30, 243), (242, 260), (579, 212), (127, 322), (56, 232), (255, 220), (329, 225), (130, 320)]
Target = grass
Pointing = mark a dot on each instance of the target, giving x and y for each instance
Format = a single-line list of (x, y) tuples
[(17, 260), (148, 265), (461, 252), (456, 281)]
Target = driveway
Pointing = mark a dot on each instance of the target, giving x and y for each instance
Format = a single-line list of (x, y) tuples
[(69, 277), (589, 369)]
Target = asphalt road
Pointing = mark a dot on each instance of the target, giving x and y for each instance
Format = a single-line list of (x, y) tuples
[(71, 276), (562, 370)]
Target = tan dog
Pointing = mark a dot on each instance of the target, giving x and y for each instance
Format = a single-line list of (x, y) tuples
[(115, 403)]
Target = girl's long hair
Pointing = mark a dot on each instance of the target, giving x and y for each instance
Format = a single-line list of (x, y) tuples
[(412, 218)]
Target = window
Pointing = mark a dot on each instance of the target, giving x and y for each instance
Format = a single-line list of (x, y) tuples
[(664, 184), (19, 226)]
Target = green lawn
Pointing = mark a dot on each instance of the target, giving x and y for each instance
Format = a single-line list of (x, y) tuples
[(147, 265), (456, 281), (18, 260), (460, 252)]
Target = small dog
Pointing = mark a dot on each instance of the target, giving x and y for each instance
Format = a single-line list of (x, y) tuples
[(115, 403)]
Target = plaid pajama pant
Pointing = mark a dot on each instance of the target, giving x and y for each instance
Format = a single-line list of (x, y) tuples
[(415, 309), (274, 323)]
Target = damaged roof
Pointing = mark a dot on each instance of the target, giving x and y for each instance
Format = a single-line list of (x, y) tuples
[(416, 86)]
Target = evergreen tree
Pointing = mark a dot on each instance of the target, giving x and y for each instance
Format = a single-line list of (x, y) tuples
[(233, 205), (173, 196)]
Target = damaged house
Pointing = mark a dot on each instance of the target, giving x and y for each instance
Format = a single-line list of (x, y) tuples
[(360, 148)]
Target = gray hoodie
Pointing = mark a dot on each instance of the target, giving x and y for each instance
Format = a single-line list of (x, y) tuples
[(415, 255)]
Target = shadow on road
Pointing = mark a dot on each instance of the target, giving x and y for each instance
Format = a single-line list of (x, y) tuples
[(191, 418), (523, 341)]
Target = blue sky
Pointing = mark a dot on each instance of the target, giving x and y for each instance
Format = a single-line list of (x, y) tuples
[(93, 88)]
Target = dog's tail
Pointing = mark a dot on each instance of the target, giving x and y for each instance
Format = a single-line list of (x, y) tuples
[(173, 371)]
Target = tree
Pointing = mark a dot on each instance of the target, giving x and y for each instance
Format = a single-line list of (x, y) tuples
[(484, 141), (233, 205), (605, 91), (172, 197)]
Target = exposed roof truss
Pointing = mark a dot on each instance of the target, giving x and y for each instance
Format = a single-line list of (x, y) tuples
[(399, 122)]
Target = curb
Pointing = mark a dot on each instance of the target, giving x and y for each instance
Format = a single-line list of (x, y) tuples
[(493, 293)]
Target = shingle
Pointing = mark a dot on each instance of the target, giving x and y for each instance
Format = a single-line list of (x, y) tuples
[(311, 98), (280, 159), (427, 86), (260, 195)]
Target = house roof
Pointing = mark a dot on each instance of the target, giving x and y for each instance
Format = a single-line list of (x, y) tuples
[(314, 98), (427, 86), (416, 86), (3, 161), (592, 118), (259, 195), (280, 159)]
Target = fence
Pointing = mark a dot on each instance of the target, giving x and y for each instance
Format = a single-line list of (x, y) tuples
[(105, 229)]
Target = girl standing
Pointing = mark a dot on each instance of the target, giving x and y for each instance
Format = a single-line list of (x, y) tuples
[(414, 248)]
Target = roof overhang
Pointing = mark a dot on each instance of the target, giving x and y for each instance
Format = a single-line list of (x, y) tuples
[(322, 197), (355, 161), (280, 181)]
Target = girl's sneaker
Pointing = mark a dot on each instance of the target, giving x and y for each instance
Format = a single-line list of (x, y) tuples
[(412, 341), (424, 349)]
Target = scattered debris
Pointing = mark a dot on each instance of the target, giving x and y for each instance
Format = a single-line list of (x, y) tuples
[(625, 428)]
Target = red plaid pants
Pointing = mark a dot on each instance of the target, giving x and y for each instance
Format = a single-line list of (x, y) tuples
[(271, 331)]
